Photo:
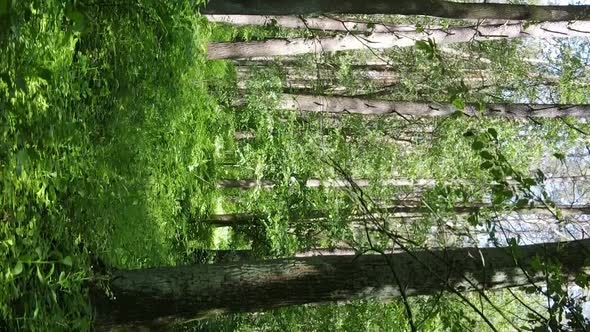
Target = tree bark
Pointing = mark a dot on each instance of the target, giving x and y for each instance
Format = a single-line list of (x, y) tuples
[(313, 103), (247, 255), (312, 23), (316, 183), (276, 47), (438, 8), (323, 23), (158, 297)]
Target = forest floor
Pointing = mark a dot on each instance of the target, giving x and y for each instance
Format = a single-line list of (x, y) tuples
[(107, 148)]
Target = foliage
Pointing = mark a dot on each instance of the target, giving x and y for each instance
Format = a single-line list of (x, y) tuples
[(107, 148)]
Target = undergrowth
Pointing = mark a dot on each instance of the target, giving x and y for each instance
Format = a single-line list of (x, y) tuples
[(106, 148)]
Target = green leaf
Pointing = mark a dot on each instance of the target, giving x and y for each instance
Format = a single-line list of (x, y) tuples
[(536, 263), (459, 104), (512, 242), (78, 18), (581, 280), (45, 74), (540, 176), (67, 261), (498, 198), (482, 107), (477, 145), (18, 268), (526, 25), (424, 46), (559, 156), (529, 182), (493, 132), (40, 275), (468, 133), (21, 84), (5, 78), (486, 155), (473, 220), (486, 165)]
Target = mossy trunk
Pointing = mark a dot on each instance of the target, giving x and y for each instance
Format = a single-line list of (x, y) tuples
[(162, 296)]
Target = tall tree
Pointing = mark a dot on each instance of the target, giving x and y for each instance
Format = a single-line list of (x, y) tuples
[(394, 182), (440, 8), (401, 209), (161, 296), (328, 104), (275, 47), (313, 23)]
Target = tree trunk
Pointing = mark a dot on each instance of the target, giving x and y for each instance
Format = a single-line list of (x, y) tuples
[(323, 23), (312, 23), (395, 182), (316, 183), (402, 209), (294, 46), (158, 297), (326, 80), (247, 255), (313, 103), (438, 8)]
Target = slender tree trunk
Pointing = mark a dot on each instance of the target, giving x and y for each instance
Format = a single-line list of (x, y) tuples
[(276, 47), (313, 23), (394, 182), (402, 209), (480, 58), (315, 183), (326, 80), (323, 23), (313, 103), (438, 8), (158, 297)]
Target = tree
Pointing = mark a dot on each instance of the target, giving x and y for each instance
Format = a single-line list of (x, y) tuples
[(312, 23), (161, 296), (246, 255), (401, 209), (294, 46), (328, 104), (343, 183), (440, 8)]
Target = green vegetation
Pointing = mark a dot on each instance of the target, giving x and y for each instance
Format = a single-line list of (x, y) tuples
[(114, 130), (107, 148)]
